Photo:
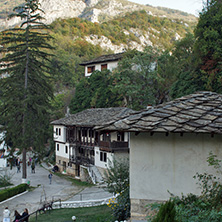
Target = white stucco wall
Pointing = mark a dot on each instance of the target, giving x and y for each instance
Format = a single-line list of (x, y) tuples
[(160, 163), (62, 137), (99, 163), (62, 150), (110, 66)]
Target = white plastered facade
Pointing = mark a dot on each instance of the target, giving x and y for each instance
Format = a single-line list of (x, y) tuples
[(110, 66), (161, 163)]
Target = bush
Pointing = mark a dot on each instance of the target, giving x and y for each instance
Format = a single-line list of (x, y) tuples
[(5, 180), (10, 192), (166, 213), (117, 179)]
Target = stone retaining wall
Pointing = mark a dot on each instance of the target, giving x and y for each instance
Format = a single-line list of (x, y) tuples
[(77, 204)]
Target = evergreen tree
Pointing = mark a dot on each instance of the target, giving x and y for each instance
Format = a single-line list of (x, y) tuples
[(26, 90)]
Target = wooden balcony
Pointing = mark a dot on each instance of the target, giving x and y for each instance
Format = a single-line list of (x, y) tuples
[(113, 146), (82, 160), (83, 144)]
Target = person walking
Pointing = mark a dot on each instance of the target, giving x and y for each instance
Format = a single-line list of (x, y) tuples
[(18, 168), (17, 216), (6, 215), (50, 178)]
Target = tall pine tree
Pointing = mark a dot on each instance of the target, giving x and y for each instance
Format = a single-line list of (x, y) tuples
[(26, 89)]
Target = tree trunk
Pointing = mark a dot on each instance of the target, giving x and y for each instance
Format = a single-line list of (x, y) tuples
[(24, 171)]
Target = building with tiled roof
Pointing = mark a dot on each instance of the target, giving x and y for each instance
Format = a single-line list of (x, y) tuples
[(78, 146), (169, 144)]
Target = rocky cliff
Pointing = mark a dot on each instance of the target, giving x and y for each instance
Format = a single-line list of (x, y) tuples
[(93, 10)]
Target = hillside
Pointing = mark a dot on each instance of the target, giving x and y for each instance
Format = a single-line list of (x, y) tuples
[(77, 40), (92, 10)]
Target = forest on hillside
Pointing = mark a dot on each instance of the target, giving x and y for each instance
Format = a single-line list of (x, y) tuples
[(71, 48)]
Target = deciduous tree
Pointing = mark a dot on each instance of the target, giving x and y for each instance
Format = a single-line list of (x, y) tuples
[(208, 45)]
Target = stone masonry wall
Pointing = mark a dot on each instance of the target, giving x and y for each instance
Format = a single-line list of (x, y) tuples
[(139, 209)]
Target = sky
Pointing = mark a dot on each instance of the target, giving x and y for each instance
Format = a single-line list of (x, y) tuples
[(189, 6)]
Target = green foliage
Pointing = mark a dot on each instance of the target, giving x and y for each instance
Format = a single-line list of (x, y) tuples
[(72, 48), (135, 79), (117, 175), (26, 91), (144, 78), (95, 92), (166, 213), (60, 103), (208, 48), (120, 206), (5, 180), (188, 79), (10, 192), (117, 179)]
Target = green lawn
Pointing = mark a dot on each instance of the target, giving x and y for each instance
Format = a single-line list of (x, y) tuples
[(86, 214)]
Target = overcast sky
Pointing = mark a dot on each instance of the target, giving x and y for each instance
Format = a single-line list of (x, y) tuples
[(190, 6)]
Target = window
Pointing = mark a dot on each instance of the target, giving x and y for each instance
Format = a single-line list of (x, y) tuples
[(56, 131), (66, 149), (90, 69), (120, 136), (103, 67), (103, 156), (57, 147), (59, 131)]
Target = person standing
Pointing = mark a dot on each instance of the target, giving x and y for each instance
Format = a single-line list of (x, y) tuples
[(25, 215), (50, 178), (6, 215)]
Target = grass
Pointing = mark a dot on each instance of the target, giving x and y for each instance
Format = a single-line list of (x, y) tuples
[(74, 181), (86, 214)]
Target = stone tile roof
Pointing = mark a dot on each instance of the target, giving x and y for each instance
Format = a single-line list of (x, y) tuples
[(93, 117), (200, 113), (103, 58)]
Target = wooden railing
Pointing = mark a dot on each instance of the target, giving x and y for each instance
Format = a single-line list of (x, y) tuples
[(114, 145), (82, 160)]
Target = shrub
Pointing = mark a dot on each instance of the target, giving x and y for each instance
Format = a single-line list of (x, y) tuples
[(166, 213), (5, 180), (10, 192), (117, 179)]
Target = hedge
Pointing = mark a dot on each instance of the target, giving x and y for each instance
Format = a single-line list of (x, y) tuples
[(10, 192)]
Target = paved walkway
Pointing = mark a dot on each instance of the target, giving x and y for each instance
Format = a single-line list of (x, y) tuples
[(59, 189)]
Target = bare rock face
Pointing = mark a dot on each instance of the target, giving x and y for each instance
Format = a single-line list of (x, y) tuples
[(89, 9), (61, 9), (91, 3)]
